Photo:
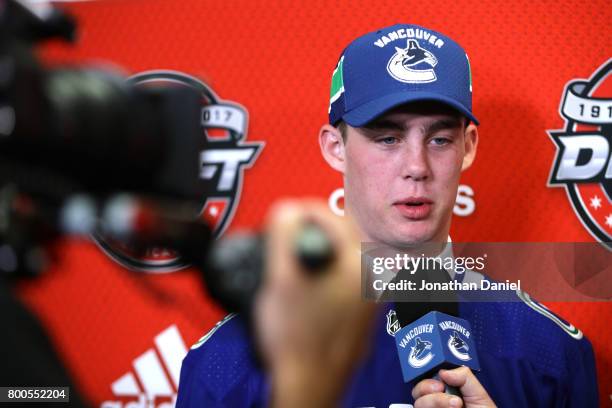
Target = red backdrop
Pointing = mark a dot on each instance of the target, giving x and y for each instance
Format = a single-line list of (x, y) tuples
[(276, 59)]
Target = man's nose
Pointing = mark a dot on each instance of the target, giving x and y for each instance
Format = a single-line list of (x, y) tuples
[(415, 164)]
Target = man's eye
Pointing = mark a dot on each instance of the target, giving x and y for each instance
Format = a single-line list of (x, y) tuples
[(389, 140), (440, 141)]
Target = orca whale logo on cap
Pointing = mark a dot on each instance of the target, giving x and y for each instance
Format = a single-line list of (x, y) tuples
[(412, 64)]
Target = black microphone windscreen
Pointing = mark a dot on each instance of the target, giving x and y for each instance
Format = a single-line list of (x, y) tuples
[(422, 302)]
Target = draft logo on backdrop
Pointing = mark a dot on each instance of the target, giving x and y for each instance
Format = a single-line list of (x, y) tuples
[(222, 164), (582, 163)]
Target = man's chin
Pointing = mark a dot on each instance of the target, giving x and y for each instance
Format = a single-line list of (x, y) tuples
[(410, 240), (414, 233)]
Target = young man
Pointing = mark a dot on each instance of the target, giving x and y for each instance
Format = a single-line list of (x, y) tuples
[(401, 131)]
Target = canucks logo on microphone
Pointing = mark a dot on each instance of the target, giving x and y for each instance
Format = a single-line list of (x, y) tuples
[(419, 355), (458, 346), (434, 341), (221, 163), (582, 164)]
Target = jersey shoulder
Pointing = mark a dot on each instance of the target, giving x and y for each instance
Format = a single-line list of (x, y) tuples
[(220, 369), (549, 356), (526, 329)]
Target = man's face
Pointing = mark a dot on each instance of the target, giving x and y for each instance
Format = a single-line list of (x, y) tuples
[(401, 173)]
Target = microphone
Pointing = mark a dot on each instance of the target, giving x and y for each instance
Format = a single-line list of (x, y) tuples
[(436, 340), (432, 336)]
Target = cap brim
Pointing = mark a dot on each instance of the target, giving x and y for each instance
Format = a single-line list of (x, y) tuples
[(367, 112)]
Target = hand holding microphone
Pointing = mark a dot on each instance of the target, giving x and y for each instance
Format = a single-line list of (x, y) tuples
[(437, 348), (430, 392)]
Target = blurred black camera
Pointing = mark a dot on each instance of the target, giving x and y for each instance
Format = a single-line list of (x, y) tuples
[(73, 120), (74, 142), (72, 138), (84, 151)]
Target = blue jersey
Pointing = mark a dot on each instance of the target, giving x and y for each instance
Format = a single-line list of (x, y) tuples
[(528, 356)]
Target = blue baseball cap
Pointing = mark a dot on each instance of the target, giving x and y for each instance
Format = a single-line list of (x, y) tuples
[(397, 65)]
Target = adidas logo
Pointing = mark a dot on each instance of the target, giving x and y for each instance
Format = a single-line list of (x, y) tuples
[(155, 378)]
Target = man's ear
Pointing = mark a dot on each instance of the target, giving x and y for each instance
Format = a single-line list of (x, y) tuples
[(470, 145), (332, 147)]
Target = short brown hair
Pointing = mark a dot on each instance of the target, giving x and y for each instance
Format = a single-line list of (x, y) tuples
[(341, 126)]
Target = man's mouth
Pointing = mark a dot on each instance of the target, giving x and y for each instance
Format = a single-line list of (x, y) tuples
[(414, 208)]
